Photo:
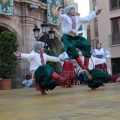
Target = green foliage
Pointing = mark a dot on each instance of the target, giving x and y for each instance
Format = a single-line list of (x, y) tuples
[(62, 50), (55, 65), (8, 44)]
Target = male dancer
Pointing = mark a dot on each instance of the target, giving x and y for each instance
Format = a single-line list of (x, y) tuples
[(45, 76), (99, 77), (70, 25)]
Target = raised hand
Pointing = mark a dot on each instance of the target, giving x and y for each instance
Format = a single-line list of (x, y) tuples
[(59, 7), (98, 11)]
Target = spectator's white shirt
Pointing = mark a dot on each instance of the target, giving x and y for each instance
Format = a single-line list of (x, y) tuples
[(27, 83), (35, 60), (93, 61), (66, 21), (105, 53)]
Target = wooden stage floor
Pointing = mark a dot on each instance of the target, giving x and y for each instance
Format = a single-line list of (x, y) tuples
[(77, 103)]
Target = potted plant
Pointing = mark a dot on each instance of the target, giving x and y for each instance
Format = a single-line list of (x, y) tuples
[(8, 44)]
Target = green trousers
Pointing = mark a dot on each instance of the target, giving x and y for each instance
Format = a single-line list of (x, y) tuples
[(43, 77), (72, 43), (99, 77)]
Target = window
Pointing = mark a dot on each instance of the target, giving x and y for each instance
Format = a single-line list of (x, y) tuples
[(96, 27), (115, 30), (93, 43), (114, 4), (115, 65)]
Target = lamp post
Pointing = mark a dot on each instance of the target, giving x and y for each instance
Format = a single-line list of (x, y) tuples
[(44, 30), (44, 26), (36, 31), (51, 33)]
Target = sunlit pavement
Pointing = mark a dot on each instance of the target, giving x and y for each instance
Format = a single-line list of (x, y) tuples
[(77, 103)]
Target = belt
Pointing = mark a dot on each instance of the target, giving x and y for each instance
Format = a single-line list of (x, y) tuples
[(72, 33)]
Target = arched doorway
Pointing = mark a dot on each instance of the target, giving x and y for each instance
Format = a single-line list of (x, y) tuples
[(2, 28)]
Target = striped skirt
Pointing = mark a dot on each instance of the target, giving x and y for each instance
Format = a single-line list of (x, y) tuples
[(68, 69)]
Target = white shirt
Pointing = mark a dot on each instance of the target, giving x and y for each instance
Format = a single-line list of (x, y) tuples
[(66, 21), (63, 56), (27, 83), (94, 61), (35, 60)]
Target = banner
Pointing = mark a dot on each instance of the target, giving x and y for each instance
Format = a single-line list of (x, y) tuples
[(51, 13), (7, 7)]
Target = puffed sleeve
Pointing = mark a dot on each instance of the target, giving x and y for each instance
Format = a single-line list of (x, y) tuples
[(107, 54), (93, 53)]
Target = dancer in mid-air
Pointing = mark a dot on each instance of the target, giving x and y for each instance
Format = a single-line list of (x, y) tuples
[(70, 23)]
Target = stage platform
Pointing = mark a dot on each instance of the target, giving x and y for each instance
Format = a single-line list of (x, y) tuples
[(77, 103)]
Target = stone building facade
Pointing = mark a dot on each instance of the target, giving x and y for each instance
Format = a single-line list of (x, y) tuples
[(106, 29), (23, 23)]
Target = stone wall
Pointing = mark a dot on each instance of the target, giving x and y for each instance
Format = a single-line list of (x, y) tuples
[(23, 23)]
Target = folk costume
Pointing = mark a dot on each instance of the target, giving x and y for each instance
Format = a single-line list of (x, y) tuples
[(101, 53), (99, 76), (70, 26), (45, 76), (67, 68)]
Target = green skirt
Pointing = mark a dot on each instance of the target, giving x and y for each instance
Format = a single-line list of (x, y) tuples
[(71, 43), (99, 77), (43, 77)]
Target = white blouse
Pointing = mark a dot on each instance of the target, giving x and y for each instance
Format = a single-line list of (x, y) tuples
[(101, 52)]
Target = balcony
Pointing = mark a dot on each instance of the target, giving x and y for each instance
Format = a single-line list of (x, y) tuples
[(114, 39)]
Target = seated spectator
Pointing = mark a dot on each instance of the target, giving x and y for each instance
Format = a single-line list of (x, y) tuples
[(80, 78), (28, 82)]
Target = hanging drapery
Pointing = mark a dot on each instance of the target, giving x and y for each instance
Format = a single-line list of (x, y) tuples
[(51, 14), (7, 7)]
